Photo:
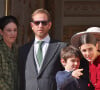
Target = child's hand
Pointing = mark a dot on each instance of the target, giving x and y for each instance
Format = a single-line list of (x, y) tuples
[(77, 73)]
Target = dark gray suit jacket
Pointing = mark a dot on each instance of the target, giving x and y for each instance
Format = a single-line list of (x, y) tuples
[(45, 80)]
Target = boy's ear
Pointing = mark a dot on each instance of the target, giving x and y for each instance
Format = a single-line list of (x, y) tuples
[(63, 62), (79, 48)]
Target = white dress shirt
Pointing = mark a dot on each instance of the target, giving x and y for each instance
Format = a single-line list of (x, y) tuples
[(44, 49)]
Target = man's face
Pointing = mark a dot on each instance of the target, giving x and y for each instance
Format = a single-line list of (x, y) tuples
[(40, 25)]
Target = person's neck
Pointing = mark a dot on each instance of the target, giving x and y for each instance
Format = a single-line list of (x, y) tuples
[(98, 53), (41, 38), (68, 70), (9, 45)]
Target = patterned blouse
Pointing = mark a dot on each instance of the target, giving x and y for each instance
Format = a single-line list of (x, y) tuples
[(8, 68)]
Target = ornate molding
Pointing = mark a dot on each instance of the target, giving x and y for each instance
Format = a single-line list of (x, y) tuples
[(81, 8)]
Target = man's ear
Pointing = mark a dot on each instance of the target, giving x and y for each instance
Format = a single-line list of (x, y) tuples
[(1, 32), (50, 25), (63, 62), (31, 24)]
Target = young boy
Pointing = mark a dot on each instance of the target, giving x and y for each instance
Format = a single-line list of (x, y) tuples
[(70, 59)]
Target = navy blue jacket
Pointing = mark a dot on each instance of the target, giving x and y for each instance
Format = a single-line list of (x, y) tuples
[(65, 81)]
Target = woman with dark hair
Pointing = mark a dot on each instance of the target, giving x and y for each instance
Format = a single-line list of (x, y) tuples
[(88, 46), (8, 53)]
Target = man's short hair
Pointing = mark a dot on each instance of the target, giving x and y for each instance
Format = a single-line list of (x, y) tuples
[(41, 10)]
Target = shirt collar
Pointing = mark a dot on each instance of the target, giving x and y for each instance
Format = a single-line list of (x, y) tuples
[(46, 39)]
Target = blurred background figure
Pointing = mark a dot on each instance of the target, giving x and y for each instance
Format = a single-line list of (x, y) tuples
[(8, 53)]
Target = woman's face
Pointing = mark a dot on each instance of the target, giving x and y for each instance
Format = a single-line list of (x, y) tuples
[(89, 51), (9, 33)]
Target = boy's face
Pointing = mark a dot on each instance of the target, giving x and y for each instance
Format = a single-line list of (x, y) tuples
[(72, 63)]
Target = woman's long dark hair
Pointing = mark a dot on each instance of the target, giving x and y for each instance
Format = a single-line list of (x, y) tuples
[(6, 20), (87, 39)]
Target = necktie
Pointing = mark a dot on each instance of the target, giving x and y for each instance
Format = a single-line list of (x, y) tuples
[(39, 53)]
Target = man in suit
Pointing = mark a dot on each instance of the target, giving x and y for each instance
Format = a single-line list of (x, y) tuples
[(33, 74)]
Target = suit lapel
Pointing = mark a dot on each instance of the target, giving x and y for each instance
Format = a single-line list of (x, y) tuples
[(27, 50), (35, 66), (53, 46)]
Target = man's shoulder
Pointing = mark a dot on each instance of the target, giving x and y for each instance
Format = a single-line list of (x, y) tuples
[(58, 41), (29, 44)]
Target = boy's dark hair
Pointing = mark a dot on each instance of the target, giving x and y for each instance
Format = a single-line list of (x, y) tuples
[(70, 51), (6, 20)]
